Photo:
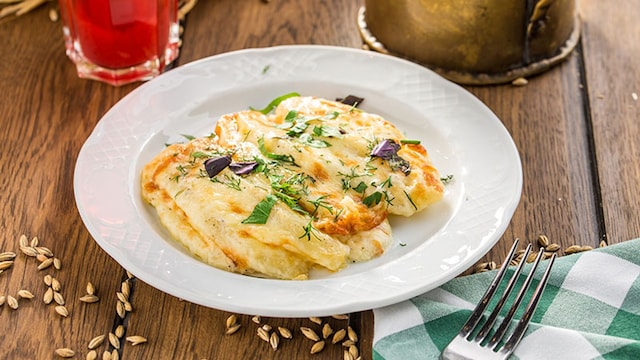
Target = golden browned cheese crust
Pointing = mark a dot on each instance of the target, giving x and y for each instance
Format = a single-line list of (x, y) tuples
[(329, 196)]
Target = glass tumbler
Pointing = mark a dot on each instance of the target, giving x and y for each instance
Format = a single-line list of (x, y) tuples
[(120, 41)]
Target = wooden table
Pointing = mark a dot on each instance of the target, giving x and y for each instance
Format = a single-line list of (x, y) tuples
[(577, 129)]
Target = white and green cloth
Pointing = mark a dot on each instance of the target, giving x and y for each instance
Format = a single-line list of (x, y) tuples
[(589, 310)]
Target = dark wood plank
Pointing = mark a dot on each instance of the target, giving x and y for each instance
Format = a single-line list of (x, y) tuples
[(549, 127), (612, 77), (46, 113)]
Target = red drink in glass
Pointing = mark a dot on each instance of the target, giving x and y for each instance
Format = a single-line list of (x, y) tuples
[(120, 41)]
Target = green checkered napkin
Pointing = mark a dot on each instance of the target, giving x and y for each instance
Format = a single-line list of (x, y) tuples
[(589, 310)]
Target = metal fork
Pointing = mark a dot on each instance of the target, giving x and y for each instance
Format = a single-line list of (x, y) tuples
[(471, 345)]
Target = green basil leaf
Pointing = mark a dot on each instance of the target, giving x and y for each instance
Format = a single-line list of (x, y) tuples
[(261, 212), (275, 102)]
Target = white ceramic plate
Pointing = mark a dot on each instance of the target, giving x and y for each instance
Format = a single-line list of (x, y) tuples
[(464, 138)]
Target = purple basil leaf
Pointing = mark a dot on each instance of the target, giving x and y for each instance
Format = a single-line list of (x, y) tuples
[(243, 168), (386, 150), (215, 165)]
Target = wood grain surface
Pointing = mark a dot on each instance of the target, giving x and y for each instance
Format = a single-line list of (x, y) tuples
[(576, 127)]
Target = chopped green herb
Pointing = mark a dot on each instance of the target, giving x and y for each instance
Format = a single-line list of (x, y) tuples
[(361, 187), (313, 142), (373, 199), (411, 200), (407, 141), (261, 212), (327, 131), (265, 69), (188, 137), (447, 179), (275, 102), (308, 231), (272, 156)]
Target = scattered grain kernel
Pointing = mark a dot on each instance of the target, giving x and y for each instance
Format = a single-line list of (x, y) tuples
[(29, 251), (2, 299), (284, 332), (231, 320), (58, 298), (121, 297), (127, 306), (316, 320), (48, 296), (91, 290), (309, 333), (552, 247), (62, 311), (602, 244), (263, 334), (347, 355), (47, 280), (65, 353), (572, 249), (7, 255), (34, 242), (520, 82), (55, 284), (115, 355), (353, 350), (136, 339), (339, 336), (543, 241), (43, 251), (119, 331), (233, 329), (348, 343), (326, 331), (106, 355), (12, 302), (352, 334), (24, 242), (274, 340), (95, 342), (340, 316), (6, 264), (256, 319), (267, 327), (25, 294), (92, 355), (114, 341), (89, 298), (120, 309), (586, 248), (45, 264), (532, 257), (125, 289), (57, 263), (317, 347)]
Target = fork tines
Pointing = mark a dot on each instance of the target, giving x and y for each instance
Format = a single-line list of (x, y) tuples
[(471, 342)]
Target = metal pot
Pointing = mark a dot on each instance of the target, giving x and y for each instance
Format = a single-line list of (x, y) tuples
[(473, 41)]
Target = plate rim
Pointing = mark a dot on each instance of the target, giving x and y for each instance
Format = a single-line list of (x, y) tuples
[(328, 310)]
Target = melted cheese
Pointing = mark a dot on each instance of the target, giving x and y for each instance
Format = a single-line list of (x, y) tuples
[(315, 158)]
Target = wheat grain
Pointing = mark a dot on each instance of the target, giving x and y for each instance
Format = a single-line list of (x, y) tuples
[(317, 347), (62, 311), (25, 294), (65, 353), (309, 333), (136, 340), (96, 342)]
